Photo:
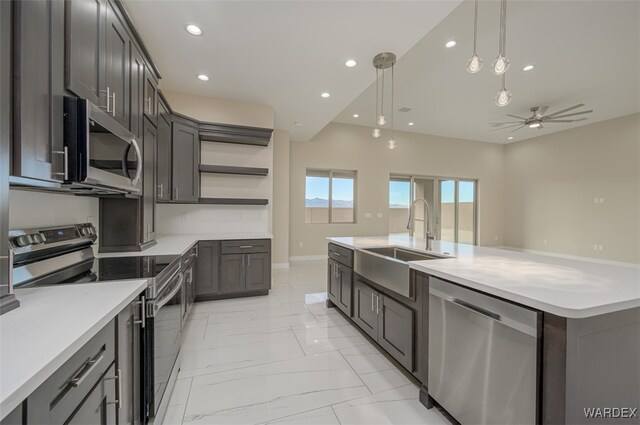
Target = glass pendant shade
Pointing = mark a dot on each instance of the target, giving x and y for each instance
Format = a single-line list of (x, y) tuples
[(500, 65), (503, 97), (382, 120), (474, 64), (391, 144), (376, 132)]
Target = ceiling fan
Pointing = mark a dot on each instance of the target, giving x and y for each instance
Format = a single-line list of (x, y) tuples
[(538, 117)]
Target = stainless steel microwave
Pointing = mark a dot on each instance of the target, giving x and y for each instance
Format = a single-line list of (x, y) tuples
[(101, 155)]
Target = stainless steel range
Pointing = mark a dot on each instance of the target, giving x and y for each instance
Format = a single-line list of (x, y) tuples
[(64, 255)]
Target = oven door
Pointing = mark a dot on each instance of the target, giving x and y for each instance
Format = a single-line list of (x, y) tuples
[(167, 334)]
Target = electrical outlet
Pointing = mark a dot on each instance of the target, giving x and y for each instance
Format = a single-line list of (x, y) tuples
[(184, 217), (299, 244), (368, 215), (602, 200), (600, 247), (546, 242), (595, 246), (495, 238), (90, 219), (380, 215)]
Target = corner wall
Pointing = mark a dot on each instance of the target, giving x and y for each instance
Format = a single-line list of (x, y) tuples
[(281, 157), (552, 182)]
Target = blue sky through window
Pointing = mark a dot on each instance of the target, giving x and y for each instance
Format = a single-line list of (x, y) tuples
[(318, 188), (399, 194), (447, 191)]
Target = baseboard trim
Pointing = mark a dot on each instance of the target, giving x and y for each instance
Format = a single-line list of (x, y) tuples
[(308, 258), (567, 256), (280, 265)]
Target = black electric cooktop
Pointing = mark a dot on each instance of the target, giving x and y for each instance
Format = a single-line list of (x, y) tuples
[(124, 268)]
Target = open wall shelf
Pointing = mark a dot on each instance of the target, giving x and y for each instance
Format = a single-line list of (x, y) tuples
[(228, 169), (233, 201)]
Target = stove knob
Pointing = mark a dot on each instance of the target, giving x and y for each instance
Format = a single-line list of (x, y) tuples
[(22, 240), (36, 238), (86, 231)]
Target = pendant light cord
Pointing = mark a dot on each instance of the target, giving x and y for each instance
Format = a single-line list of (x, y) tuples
[(382, 95), (375, 118), (475, 29), (503, 28), (392, 96)]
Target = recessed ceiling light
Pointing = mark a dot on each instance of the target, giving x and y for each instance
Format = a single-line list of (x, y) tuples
[(350, 63), (193, 29), (356, 116), (510, 138), (411, 124), (203, 77), (534, 125), (451, 43), (528, 67), (325, 95)]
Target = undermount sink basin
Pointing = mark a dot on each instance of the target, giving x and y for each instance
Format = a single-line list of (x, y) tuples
[(388, 266)]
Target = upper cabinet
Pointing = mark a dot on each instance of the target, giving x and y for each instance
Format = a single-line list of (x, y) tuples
[(136, 91), (38, 90), (97, 58), (150, 96), (186, 158), (163, 164)]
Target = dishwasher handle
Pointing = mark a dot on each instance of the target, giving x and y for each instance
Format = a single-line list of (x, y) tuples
[(476, 309)]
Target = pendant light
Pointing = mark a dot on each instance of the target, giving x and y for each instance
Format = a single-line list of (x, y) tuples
[(504, 96), (381, 62), (500, 64), (475, 63)]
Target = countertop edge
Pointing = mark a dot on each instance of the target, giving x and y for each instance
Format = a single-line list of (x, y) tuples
[(13, 400)]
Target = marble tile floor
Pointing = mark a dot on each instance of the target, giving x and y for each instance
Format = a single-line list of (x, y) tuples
[(287, 359)]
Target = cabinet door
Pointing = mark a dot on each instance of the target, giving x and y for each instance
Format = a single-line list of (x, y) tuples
[(38, 45), (150, 96), (164, 154), (258, 271), (186, 154), (232, 273), (149, 183), (345, 280), (117, 67), (333, 283), (85, 53), (207, 280), (364, 308), (395, 332), (128, 363), (99, 408), (136, 91)]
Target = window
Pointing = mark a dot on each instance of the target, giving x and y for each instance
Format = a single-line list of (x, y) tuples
[(403, 190), (330, 196), (458, 211)]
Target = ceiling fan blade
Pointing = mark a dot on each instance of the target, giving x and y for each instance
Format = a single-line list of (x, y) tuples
[(495, 124), (581, 119), (579, 105), (515, 116), (541, 110), (523, 125), (569, 115), (506, 127)]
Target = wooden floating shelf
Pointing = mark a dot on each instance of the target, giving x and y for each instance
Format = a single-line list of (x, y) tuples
[(227, 169), (233, 201)]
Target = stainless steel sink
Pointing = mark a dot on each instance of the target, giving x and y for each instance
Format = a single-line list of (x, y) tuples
[(388, 266)]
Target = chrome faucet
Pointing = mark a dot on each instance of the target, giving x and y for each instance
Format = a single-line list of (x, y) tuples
[(428, 235)]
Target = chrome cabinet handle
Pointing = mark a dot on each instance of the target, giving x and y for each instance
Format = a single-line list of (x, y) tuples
[(149, 105), (246, 246), (108, 92), (372, 294), (337, 254), (161, 187), (377, 304), (248, 260), (243, 261), (77, 380), (65, 156), (113, 108), (143, 313), (118, 379), (175, 191)]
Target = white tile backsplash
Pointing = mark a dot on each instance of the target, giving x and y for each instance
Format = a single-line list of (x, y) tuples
[(36, 209), (184, 218)]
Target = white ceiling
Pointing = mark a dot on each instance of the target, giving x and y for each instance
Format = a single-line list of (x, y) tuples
[(281, 53), (584, 52)]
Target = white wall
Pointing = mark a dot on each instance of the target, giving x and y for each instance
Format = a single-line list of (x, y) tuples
[(281, 158), (36, 209), (550, 186), (351, 147), (185, 218)]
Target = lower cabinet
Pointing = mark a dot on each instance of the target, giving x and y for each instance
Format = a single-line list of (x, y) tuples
[(245, 273), (128, 361), (99, 408), (207, 280), (340, 283), (388, 322)]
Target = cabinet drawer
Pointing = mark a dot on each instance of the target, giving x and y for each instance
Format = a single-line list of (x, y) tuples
[(246, 246), (56, 399), (189, 256), (341, 254)]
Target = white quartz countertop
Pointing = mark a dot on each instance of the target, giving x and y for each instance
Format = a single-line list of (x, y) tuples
[(51, 324), (171, 244), (572, 288)]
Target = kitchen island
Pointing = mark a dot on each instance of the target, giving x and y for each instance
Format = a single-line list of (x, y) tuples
[(589, 317)]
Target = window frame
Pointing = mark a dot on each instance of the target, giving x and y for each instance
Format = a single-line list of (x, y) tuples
[(331, 171), (456, 208)]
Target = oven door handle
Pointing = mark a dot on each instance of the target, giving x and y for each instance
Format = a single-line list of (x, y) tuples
[(136, 178), (157, 305)]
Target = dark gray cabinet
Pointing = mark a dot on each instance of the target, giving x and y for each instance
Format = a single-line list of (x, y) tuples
[(186, 158), (117, 68), (207, 280), (99, 408), (232, 273), (163, 164), (150, 95), (388, 322), (149, 183), (128, 361), (38, 90), (258, 272), (136, 92), (340, 285)]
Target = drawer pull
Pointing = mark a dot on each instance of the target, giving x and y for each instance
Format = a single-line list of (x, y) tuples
[(88, 367), (337, 254), (118, 379), (246, 246)]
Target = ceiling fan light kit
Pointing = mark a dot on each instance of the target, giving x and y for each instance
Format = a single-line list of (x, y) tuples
[(538, 118), (382, 62)]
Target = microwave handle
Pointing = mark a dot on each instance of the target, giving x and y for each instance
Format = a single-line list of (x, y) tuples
[(136, 178)]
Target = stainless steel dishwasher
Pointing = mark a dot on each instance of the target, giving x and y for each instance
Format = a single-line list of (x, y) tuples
[(482, 356)]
